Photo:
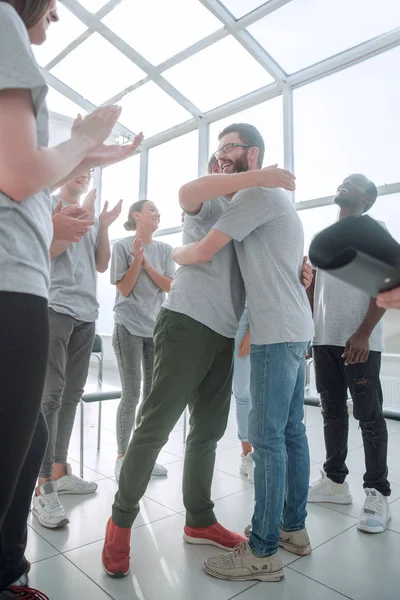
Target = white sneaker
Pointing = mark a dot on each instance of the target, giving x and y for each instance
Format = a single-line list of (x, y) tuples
[(71, 484), (241, 564), (118, 467), (158, 471), (247, 466), (375, 513), (48, 508), (326, 490)]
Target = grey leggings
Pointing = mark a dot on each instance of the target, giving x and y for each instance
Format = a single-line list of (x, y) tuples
[(131, 351), (71, 343)]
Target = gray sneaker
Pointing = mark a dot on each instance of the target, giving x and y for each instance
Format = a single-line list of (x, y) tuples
[(243, 565), (296, 542)]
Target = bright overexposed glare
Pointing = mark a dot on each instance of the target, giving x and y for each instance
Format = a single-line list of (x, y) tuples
[(97, 70), (58, 103), (348, 123), (221, 72), (387, 209), (173, 239), (93, 5), (239, 8), (156, 28), (315, 220), (151, 110), (121, 182), (170, 166), (268, 119), (303, 32), (59, 36)]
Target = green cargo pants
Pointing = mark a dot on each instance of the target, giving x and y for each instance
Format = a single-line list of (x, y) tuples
[(192, 366)]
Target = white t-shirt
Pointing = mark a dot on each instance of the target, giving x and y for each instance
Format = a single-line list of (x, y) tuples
[(339, 310), (26, 228)]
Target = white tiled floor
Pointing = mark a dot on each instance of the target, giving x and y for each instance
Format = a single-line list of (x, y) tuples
[(345, 563)]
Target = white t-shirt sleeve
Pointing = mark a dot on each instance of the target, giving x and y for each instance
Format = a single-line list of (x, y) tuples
[(248, 210)]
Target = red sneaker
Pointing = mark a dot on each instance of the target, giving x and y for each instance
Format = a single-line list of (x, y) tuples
[(215, 535), (115, 556)]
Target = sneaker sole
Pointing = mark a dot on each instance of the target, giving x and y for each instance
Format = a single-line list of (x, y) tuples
[(204, 542), (58, 525), (367, 529), (277, 576), (331, 500), (299, 550), (75, 493), (117, 575)]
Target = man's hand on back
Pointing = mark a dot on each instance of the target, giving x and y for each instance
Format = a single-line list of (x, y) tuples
[(273, 177)]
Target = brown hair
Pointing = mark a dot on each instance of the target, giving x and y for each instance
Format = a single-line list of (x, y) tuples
[(130, 224), (211, 163), (30, 11)]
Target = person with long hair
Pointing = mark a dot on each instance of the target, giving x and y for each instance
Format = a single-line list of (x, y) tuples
[(28, 170), (142, 270)]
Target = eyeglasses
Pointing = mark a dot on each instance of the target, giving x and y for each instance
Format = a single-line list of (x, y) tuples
[(228, 148)]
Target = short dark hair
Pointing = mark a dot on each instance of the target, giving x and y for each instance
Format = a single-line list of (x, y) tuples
[(130, 224), (249, 135), (30, 11)]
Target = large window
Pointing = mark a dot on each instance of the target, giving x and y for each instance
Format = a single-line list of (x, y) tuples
[(315, 220), (268, 119), (170, 166), (304, 32), (121, 182), (348, 123)]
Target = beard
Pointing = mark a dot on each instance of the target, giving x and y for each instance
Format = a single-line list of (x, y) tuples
[(241, 164), (344, 201)]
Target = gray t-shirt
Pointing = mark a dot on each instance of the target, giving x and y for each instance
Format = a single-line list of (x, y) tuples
[(26, 229), (339, 310), (73, 277), (213, 293), (269, 242), (138, 311)]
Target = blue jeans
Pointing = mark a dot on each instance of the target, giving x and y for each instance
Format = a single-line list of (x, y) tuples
[(280, 446), (241, 382)]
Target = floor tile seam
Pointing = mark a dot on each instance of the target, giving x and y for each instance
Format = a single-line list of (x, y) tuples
[(320, 583)]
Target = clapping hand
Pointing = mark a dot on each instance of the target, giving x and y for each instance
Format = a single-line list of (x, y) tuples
[(70, 224), (138, 250), (107, 217), (89, 202)]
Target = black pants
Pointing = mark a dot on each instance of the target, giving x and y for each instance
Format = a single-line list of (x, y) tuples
[(333, 380), (23, 433)]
